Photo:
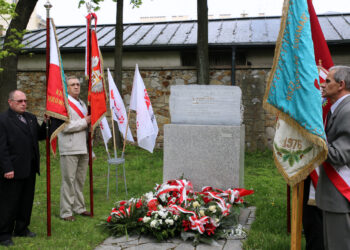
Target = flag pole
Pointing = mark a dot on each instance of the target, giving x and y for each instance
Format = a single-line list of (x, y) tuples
[(114, 144), (297, 214), (48, 163), (126, 132), (89, 113)]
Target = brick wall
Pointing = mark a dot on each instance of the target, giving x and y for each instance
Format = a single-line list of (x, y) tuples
[(259, 124)]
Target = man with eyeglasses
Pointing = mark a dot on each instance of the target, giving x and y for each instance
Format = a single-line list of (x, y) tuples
[(19, 163), (333, 187), (72, 142)]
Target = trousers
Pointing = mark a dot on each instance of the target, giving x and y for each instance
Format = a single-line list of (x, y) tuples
[(16, 203), (73, 172)]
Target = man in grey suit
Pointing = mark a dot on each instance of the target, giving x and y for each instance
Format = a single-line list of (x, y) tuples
[(332, 194)]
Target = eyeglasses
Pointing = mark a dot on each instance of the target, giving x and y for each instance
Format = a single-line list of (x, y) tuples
[(74, 84), (20, 101)]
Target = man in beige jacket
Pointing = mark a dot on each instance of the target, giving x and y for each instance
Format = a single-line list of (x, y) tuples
[(74, 157)]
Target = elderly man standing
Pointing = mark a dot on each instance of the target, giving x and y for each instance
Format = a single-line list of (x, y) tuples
[(74, 158), (333, 188), (19, 163)]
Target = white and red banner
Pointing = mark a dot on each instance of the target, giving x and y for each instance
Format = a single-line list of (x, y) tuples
[(96, 93), (146, 124), (56, 94), (105, 131), (118, 108)]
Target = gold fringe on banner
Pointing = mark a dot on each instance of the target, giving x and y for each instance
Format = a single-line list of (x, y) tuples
[(302, 174)]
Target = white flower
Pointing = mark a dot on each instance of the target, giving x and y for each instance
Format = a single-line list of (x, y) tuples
[(153, 223), (162, 197), (201, 212), (160, 222), (132, 200), (163, 213), (175, 217), (160, 207), (169, 222), (146, 219), (149, 196), (196, 204), (212, 208), (217, 220)]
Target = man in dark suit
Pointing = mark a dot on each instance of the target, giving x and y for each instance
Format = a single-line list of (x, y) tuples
[(19, 163), (333, 188)]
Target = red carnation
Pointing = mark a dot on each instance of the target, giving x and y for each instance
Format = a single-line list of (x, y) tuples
[(139, 204), (109, 218), (209, 228), (122, 203), (207, 200), (186, 224), (139, 219), (152, 205)]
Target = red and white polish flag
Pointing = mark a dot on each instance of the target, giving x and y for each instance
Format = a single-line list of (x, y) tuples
[(146, 124), (105, 131), (118, 109)]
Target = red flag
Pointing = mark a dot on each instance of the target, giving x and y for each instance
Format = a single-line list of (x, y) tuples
[(97, 94), (324, 61), (322, 55), (56, 94)]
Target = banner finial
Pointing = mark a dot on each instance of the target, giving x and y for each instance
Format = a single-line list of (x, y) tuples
[(89, 7), (48, 6)]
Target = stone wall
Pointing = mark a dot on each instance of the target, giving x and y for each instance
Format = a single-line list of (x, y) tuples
[(259, 125)]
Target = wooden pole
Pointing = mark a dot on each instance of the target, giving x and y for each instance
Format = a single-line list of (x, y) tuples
[(297, 214), (288, 209), (48, 160), (126, 133), (114, 143)]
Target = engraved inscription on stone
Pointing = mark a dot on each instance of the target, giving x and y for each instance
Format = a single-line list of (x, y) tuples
[(205, 105)]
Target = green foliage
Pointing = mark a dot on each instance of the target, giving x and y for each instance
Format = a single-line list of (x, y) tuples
[(14, 38), (7, 11), (269, 231), (95, 3)]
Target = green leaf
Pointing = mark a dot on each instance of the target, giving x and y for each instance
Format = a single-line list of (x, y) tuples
[(307, 150), (291, 161)]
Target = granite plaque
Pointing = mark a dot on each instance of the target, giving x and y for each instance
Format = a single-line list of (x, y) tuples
[(205, 105), (207, 155)]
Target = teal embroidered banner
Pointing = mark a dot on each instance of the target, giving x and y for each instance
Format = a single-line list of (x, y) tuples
[(292, 94), (292, 88)]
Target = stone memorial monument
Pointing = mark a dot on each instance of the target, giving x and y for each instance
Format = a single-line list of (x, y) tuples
[(205, 141)]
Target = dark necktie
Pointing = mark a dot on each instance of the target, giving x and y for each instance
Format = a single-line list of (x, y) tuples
[(22, 119)]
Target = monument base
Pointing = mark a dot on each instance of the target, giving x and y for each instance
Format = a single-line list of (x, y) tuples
[(207, 155)]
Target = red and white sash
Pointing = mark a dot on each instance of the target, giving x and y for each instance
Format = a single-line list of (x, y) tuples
[(340, 179), (77, 107)]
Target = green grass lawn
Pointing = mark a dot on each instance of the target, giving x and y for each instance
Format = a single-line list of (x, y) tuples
[(143, 171)]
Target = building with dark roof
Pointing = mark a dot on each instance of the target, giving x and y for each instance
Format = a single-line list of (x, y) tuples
[(240, 51)]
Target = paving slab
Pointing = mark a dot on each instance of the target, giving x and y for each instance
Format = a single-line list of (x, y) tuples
[(148, 243)]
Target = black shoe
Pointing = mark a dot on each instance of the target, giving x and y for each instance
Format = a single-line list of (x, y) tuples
[(7, 243), (27, 233)]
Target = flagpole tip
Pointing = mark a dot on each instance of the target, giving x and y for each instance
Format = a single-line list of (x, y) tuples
[(89, 7), (48, 6)]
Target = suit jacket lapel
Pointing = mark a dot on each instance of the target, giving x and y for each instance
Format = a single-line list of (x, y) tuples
[(21, 125), (336, 111), (29, 123)]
